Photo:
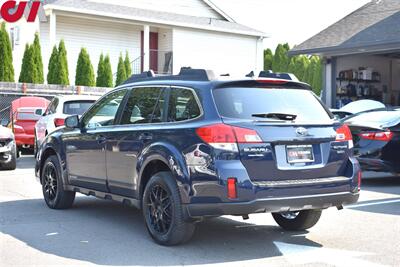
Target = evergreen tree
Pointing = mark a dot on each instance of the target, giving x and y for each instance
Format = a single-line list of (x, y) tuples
[(100, 72), (268, 58), (317, 77), (309, 74), (37, 56), (108, 75), (121, 71), (6, 60), (28, 69), (281, 59), (84, 70), (128, 68), (53, 67), (63, 64)]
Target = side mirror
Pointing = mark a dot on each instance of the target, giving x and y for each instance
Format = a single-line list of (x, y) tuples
[(72, 122), (5, 122), (39, 112)]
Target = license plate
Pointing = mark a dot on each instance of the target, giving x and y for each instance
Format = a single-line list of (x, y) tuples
[(299, 153)]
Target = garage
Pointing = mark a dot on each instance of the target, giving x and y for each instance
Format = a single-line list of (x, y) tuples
[(361, 55)]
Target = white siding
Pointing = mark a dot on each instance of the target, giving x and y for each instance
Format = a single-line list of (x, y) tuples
[(97, 37), (45, 45), (221, 52), (185, 7)]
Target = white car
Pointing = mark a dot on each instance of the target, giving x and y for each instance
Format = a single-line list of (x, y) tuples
[(61, 107), (8, 149)]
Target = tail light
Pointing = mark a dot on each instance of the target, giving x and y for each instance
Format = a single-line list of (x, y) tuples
[(227, 137), (377, 136), (59, 122), (232, 194), (359, 180), (18, 129), (344, 134)]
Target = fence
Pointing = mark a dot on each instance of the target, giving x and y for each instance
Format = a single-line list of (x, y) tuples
[(12, 91)]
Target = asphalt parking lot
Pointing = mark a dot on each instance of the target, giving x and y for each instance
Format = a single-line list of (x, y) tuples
[(99, 232)]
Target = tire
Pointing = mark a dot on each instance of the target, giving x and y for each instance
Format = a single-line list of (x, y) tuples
[(297, 221), (163, 212), (12, 164), (52, 187)]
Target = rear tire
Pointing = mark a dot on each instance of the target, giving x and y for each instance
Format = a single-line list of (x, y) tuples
[(52, 185), (297, 221), (163, 212)]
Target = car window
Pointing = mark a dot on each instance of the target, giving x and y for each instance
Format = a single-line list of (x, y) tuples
[(182, 105), (50, 107), (103, 112), (53, 107), (77, 107), (244, 103), (145, 105)]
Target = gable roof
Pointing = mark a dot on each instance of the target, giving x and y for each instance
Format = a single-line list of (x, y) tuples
[(153, 16), (373, 27)]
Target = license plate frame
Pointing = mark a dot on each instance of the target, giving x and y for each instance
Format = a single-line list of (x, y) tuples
[(299, 154)]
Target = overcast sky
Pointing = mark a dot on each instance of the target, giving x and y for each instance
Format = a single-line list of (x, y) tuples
[(292, 21)]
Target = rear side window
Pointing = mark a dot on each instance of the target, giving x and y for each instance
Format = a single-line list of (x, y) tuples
[(76, 107), (145, 105), (182, 105), (244, 103)]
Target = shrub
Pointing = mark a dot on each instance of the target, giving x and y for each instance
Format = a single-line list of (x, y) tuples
[(128, 68), (37, 57), (28, 69), (121, 71), (84, 70), (6, 66), (63, 64)]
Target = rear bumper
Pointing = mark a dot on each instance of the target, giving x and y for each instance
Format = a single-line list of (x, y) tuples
[(283, 204), (24, 139)]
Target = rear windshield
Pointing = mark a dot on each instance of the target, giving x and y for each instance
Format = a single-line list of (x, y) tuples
[(243, 103), (77, 107)]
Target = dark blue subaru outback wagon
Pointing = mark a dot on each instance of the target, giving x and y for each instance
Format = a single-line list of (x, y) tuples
[(190, 146)]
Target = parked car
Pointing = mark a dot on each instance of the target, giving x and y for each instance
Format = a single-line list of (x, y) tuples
[(186, 147), (376, 135), (357, 107), (8, 149), (61, 107), (25, 112)]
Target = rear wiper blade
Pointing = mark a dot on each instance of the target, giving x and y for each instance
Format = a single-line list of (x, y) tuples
[(279, 116)]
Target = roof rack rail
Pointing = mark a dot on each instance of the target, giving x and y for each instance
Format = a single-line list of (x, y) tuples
[(141, 76), (196, 74)]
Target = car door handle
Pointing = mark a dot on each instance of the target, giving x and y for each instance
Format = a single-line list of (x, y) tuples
[(145, 136), (101, 139)]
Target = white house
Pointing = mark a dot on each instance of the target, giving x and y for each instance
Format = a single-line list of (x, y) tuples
[(162, 35)]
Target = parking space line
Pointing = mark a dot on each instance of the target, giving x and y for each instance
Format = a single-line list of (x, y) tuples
[(374, 203)]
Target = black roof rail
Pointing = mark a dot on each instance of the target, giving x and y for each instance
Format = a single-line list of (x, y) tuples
[(185, 74)]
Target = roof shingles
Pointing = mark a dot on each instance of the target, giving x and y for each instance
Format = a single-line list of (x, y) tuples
[(376, 23)]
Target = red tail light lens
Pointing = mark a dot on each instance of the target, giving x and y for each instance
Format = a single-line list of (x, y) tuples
[(359, 175), (272, 81), (59, 122), (232, 194), (226, 137), (344, 134), (377, 136)]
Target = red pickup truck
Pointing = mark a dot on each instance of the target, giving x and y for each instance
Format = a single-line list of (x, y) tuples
[(25, 112)]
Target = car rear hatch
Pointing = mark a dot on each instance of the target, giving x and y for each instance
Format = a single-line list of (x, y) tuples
[(284, 134)]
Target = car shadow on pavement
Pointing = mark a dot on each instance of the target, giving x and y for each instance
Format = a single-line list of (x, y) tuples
[(387, 185), (107, 233)]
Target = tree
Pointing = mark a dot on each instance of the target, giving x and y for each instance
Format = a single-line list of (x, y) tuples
[(108, 75), (268, 58), (37, 57), (28, 69), (100, 72), (128, 68), (121, 71), (63, 64), (6, 65), (84, 70), (53, 67), (317, 77), (281, 59), (298, 66)]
